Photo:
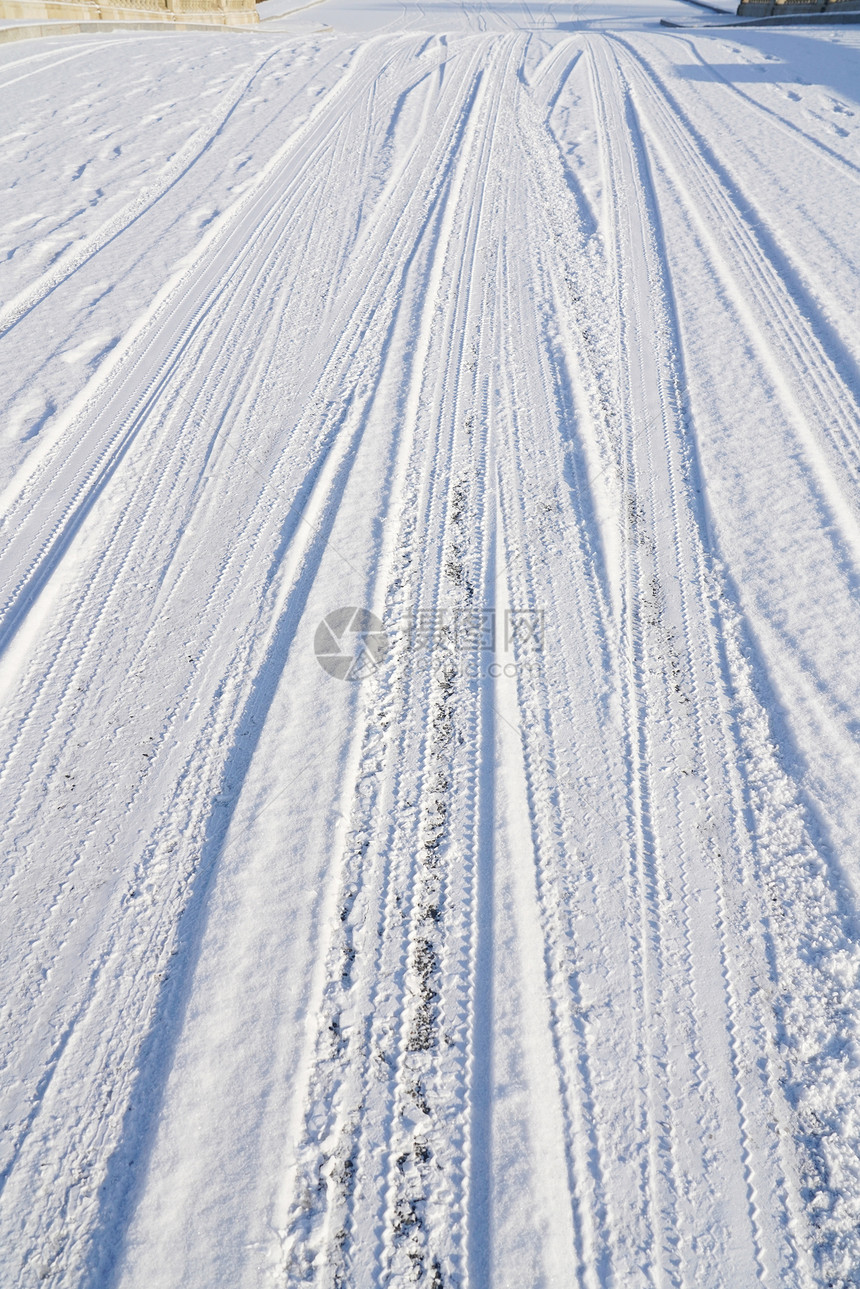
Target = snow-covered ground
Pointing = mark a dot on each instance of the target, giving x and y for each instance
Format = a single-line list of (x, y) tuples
[(530, 954)]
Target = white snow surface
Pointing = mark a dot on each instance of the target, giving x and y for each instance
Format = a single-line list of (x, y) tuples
[(530, 954)]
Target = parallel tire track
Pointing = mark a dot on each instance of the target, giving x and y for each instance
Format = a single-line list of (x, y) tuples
[(359, 330), (803, 374), (663, 642)]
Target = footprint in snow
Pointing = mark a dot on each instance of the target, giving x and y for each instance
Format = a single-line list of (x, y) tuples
[(91, 351), (29, 416), (203, 216)]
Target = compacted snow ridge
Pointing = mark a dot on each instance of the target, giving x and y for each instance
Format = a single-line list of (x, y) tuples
[(429, 628)]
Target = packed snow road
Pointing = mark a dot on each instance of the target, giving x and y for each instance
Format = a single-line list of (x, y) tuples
[(429, 627)]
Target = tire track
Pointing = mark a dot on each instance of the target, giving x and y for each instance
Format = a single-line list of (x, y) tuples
[(775, 848), (102, 454), (588, 1251), (132, 525), (361, 330), (145, 536), (49, 67), (814, 395), (662, 647), (295, 1252), (542, 708), (435, 1026), (585, 874), (117, 1041), (642, 891), (411, 949), (359, 327)]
